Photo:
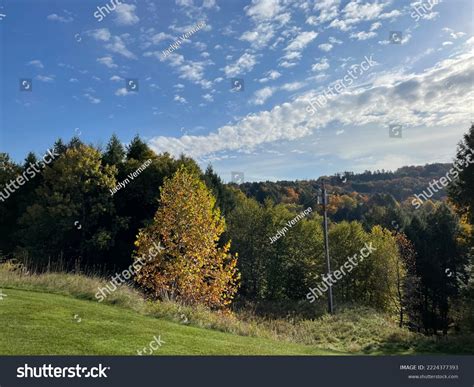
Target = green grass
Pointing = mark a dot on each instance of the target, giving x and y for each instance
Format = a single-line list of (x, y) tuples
[(34, 323), (352, 330)]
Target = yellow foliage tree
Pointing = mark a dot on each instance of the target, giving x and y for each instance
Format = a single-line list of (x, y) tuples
[(189, 266)]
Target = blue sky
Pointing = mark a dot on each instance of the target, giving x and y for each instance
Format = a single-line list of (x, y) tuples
[(286, 52)]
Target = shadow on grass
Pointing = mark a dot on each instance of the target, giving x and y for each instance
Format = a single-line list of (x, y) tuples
[(429, 345)]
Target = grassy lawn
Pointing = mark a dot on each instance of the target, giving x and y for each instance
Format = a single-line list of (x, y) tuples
[(35, 323)]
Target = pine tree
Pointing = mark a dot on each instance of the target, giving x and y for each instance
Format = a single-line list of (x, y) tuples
[(115, 152), (138, 150)]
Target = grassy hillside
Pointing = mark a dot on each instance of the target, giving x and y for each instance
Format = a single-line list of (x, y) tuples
[(37, 318), (36, 323)]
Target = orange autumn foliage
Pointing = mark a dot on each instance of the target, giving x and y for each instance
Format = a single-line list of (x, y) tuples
[(191, 268)]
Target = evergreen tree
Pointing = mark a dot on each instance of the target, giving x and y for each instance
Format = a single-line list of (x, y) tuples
[(138, 150), (115, 152), (461, 190), (223, 194)]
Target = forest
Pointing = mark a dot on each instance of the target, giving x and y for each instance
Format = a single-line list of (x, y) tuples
[(216, 236)]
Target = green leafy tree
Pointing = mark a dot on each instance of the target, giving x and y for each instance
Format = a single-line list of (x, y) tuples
[(8, 203), (249, 229), (72, 217)]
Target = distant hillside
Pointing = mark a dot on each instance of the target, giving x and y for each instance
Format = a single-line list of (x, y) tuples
[(401, 184)]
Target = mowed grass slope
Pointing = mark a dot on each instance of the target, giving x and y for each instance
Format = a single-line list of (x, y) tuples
[(36, 323)]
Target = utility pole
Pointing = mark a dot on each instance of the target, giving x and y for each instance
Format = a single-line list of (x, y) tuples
[(326, 248)]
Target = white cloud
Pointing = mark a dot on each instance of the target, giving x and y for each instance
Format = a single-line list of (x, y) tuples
[(208, 97), (126, 14), (422, 100), (102, 34), (322, 65), (391, 15), (334, 40), (453, 34), (263, 9), (210, 4), (45, 78), (243, 65), (185, 3), (114, 43), (356, 11), (292, 86), (270, 76), (362, 35), (58, 18), (180, 99), (296, 46), (262, 95), (91, 98), (161, 36), (107, 61), (329, 9), (260, 36), (301, 41), (200, 46), (340, 24), (375, 26), (122, 92), (430, 16), (116, 78), (118, 46), (36, 63), (326, 47), (312, 21)]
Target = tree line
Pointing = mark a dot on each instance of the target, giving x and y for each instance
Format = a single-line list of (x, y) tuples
[(216, 236)]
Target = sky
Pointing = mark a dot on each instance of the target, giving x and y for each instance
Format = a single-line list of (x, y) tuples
[(229, 82)]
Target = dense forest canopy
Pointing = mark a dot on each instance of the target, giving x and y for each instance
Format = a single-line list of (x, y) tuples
[(96, 210)]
